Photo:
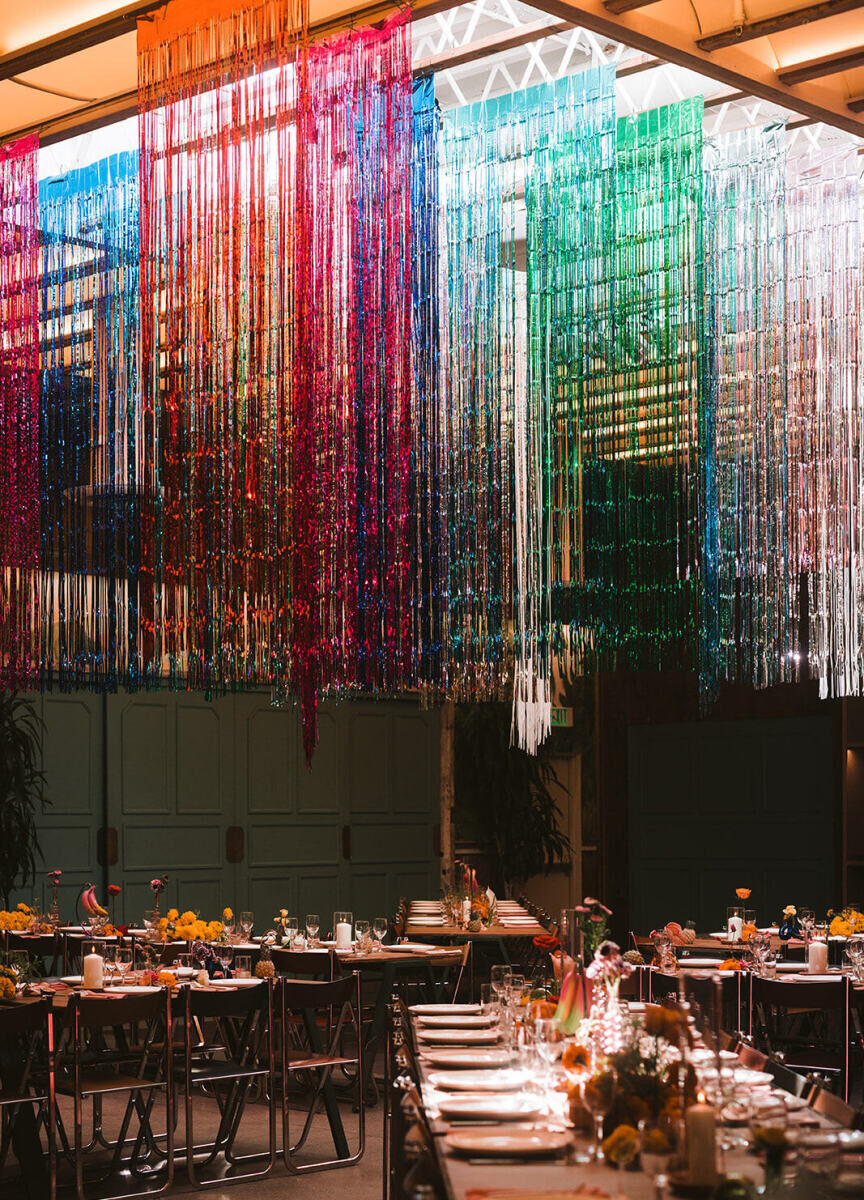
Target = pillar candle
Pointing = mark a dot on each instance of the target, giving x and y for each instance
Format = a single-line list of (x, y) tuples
[(94, 969), (343, 935), (466, 911), (701, 1124), (734, 929), (817, 958)]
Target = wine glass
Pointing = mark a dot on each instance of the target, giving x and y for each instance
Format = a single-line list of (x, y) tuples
[(806, 919), (515, 990), (313, 924), (548, 1042), (500, 978), (599, 1096), (123, 961), (225, 954), (361, 933), (655, 1150), (109, 958), (290, 925), (380, 925), (247, 920)]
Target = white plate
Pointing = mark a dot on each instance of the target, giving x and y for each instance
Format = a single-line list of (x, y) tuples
[(435, 1010), (468, 1059), (71, 979), (516, 1145), (517, 1106), (481, 1021), (230, 983), (462, 1037), (750, 1078), (684, 963), (135, 989), (414, 948), (805, 978), (477, 1081)]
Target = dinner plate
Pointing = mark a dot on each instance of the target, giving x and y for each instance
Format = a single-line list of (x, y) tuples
[(413, 947), (467, 1059), (804, 977), (505, 1080), (435, 1010), (134, 989), (699, 962), (519, 1144), (467, 1037), (517, 1106), (231, 983), (478, 1021), (750, 1077), (71, 979)]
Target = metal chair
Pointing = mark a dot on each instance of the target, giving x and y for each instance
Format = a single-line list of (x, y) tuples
[(141, 1074), (299, 964), (237, 1051), (340, 1000), (27, 1081)]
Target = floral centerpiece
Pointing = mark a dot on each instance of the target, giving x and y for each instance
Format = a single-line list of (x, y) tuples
[(606, 971), (593, 920), (8, 979), (18, 919), (188, 927), (845, 923), (652, 1080)]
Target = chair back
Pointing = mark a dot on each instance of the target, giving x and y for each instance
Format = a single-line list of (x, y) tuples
[(784, 994), (28, 1025), (240, 1021), (315, 964), (339, 998), (787, 1079), (828, 1105)]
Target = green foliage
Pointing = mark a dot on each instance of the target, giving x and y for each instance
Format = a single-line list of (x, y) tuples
[(503, 800), (21, 792)]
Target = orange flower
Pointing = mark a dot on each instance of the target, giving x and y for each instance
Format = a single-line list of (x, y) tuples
[(742, 893), (730, 964), (576, 1059), (747, 932)]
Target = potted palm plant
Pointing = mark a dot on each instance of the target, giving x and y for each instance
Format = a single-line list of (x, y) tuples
[(22, 792)]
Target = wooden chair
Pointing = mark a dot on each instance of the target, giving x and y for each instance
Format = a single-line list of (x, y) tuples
[(810, 1026), (237, 1052), (27, 1083), (85, 1072), (299, 964), (328, 1010), (828, 1105)]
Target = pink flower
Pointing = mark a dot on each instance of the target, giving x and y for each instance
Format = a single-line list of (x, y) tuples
[(589, 900), (596, 917)]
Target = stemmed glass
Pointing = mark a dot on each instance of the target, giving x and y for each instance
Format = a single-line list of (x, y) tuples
[(290, 925), (500, 978), (380, 925), (226, 957), (855, 954), (806, 919), (548, 1042), (515, 990), (599, 1096), (313, 924), (123, 961), (655, 1150), (247, 920)]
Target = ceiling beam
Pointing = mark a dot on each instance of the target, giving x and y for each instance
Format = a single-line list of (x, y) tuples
[(638, 34), (623, 6), (520, 35), (749, 30), (80, 120), (817, 68), (80, 37), (855, 103)]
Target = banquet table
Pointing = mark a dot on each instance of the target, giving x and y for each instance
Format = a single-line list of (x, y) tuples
[(426, 920), (463, 1175)]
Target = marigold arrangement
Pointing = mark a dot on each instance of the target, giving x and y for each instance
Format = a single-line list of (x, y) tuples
[(188, 927), (18, 919), (845, 923)]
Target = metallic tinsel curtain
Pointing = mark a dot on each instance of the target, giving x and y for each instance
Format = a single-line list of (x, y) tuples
[(637, 591), (569, 178), (91, 451), (19, 414), (276, 353)]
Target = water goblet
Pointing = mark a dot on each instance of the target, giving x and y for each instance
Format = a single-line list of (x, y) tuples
[(515, 990), (225, 954), (380, 925), (599, 1096), (488, 999), (548, 1041), (109, 958), (500, 977), (290, 925), (123, 961), (247, 920), (361, 929), (313, 924)]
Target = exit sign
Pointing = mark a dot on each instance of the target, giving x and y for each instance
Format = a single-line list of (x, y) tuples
[(562, 717)]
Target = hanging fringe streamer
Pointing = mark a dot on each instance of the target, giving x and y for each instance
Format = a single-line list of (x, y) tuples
[(568, 171), (636, 602), (430, 458), (824, 363), (19, 415), (91, 453)]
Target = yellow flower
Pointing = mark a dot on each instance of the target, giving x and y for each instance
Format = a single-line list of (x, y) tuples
[(7, 989), (622, 1145), (25, 908), (215, 929), (188, 918), (173, 914), (228, 914), (167, 979)]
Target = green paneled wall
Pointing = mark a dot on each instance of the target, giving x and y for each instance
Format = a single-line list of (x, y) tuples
[(718, 805), (173, 772)]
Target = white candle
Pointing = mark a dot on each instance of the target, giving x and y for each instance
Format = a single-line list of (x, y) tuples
[(343, 935), (94, 971), (734, 929), (701, 1124), (817, 958), (466, 911)]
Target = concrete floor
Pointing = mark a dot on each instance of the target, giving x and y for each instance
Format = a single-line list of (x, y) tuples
[(364, 1180)]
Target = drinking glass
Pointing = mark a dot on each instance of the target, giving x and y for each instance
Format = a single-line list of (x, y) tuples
[(313, 924), (290, 925), (818, 1163), (361, 929), (243, 966), (749, 916), (549, 1043), (488, 999), (515, 990), (247, 920), (655, 1150), (806, 919), (225, 955), (380, 925), (599, 1095), (109, 958), (500, 978), (123, 961)]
